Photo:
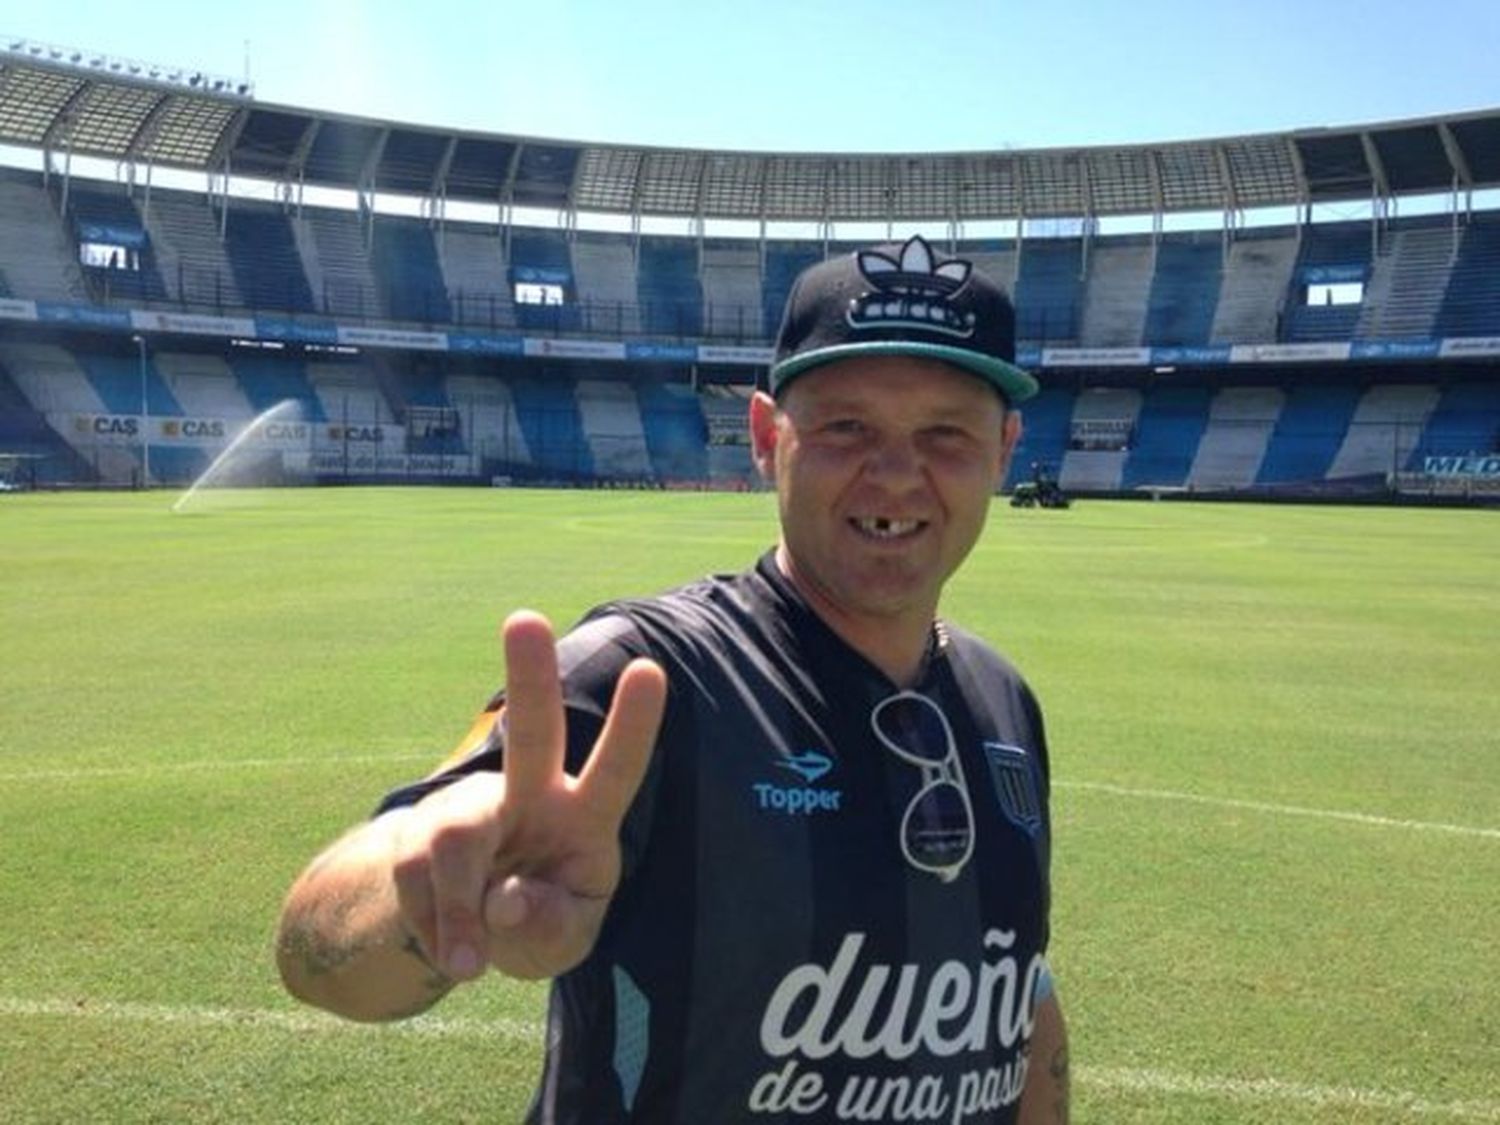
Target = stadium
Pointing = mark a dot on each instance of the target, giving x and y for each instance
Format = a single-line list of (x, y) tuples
[(1275, 782), (146, 324)]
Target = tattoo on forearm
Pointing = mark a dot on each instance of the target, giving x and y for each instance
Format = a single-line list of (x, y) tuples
[(437, 981), (435, 985), (318, 954), (1058, 1068), (326, 940)]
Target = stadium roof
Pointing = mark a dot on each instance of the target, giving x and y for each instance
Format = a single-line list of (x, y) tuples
[(60, 108)]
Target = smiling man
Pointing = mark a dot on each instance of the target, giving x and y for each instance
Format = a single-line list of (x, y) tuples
[(780, 839)]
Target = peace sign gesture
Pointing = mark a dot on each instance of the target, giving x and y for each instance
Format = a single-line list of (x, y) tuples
[(515, 870)]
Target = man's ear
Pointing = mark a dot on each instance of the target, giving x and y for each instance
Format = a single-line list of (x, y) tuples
[(1010, 437), (763, 434)]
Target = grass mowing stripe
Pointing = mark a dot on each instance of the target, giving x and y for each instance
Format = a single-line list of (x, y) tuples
[(1369, 819), (1095, 1077), (296, 1022), (1278, 1090)]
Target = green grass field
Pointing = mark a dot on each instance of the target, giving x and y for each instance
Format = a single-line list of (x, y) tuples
[(1276, 754)]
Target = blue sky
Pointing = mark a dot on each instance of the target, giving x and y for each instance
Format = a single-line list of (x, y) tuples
[(924, 75)]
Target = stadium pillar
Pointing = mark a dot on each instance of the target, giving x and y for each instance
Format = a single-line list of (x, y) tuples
[(140, 343)]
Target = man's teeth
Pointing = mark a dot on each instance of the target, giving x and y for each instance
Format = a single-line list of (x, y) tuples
[(883, 528)]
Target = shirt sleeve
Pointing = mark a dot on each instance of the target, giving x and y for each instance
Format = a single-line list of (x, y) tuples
[(590, 659)]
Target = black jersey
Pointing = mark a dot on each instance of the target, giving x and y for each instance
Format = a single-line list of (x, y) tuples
[(783, 947)]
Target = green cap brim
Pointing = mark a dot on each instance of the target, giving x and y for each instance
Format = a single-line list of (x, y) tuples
[(1013, 383)]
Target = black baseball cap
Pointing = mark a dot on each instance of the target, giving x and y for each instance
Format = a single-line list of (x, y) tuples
[(900, 300)]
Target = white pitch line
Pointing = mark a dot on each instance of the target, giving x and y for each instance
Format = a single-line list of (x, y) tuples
[(294, 1021), (1129, 1080), (1279, 1090), (83, 773), (1283, 810)]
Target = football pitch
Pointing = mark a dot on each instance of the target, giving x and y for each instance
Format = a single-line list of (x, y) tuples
[(1275, 739)]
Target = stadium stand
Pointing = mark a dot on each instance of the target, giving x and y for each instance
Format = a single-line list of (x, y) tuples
[(783, 262), (1099, 435), (189, 252), (1308, 433), (474, 269), (731, 290), (1336, 252), (1115, 298), (347, 393), (676, 434), (1044, 435), (263, 253), (1407, 283), (51, 379), (116, 378), (1049, 291), (604, 266), (406, 268), (1471, 303), (610, 416), (671, 297), (999, 260), (1167, 436), (492, 425), (1184, 290), (268, 381), (37, 250), (203, 385), (1465, 421), (1257, 279), (339, 265), (103, 215), (543, 257), (1240, 421), (548, 413), (225, 283), (1387, 425), (24, 433)]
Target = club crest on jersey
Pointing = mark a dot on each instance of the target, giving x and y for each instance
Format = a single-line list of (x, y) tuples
[(912, 291), (1015, 785)]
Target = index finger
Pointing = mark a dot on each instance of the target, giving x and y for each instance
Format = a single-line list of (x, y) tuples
[(617, 765), (534, 724)]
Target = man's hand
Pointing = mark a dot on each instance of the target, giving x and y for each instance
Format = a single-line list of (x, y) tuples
[(516, 870)]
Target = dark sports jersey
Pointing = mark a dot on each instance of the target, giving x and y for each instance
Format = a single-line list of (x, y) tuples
[(793, 938)]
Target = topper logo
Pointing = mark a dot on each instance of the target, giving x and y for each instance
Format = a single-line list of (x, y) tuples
[(912, 291)]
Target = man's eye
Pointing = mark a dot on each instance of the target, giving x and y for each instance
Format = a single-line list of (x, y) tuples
[(949, 433)]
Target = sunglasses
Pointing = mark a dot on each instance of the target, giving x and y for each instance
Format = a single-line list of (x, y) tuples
[(937, 829)]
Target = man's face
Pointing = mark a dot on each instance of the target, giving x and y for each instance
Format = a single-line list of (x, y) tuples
[(884, 468)]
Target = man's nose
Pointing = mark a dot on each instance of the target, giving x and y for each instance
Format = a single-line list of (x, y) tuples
[(894, 458)]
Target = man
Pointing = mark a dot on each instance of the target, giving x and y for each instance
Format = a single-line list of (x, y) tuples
[(780, 839)]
